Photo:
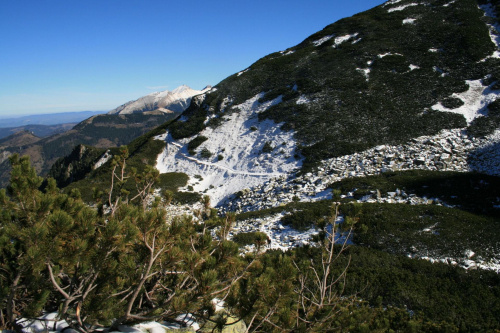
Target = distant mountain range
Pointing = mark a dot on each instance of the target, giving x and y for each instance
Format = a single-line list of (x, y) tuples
[(48, 118), (118, 127)]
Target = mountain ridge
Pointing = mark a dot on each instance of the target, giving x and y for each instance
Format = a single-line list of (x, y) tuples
[(166, 101)]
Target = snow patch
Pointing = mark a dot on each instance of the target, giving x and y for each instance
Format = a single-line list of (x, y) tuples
[(475, 99), (433, 50), (342, 39), (303, 100), (365, 71), (322, 40), (409, 21), (494, 29), (388, 54), (399, 8), (104, 158), (225, 102), (391, 2), (244, 71), (239, 140), (413, 67), (281, 237), (449, 3)]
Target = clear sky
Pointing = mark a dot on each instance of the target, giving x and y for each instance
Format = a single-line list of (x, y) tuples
[(74, 55)]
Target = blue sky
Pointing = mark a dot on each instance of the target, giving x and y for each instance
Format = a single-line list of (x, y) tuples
[(74, 55)]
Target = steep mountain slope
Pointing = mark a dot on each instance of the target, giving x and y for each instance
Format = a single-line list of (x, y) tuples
[(166, 101), (20, 138), (102, 131), (118, 127), (402, 70)]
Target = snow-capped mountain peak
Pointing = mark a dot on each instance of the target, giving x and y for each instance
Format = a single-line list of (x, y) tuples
[(166, 101)]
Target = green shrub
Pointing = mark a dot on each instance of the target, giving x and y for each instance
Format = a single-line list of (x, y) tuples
[(267, 147), (196, 142), (205, 153), (452, 102), (250, 238)]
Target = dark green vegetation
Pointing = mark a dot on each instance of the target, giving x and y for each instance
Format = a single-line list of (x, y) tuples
[(59, 254), (76, 165), (349, 112), (250, 238), (141, 155), (102, 131), (483, 126), (428, 230), (474, 192), (195, 143)]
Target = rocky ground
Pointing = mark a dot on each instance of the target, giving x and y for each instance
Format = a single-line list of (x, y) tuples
[(450, 150)]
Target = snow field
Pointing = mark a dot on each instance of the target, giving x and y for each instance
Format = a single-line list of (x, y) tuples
[(239, 140), (475, 99)]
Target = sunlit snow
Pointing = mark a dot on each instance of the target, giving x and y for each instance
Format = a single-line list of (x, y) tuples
[(391, 2), (399, 8), (475, 99), (322, 40), (244, 71), (494, 30), (342, 39), (239, 141)]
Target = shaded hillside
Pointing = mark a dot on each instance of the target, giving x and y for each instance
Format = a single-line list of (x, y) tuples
[(101, 131), (19, 139), (38, 130)]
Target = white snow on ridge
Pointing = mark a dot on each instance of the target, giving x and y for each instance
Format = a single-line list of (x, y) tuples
[(239, 140), (409, 21), (475, 99), (104, 158), (380, 56), (302, 100), (243, 71), (322, 40), (402, 7), (365, 71), (341, 39), (391, 2), (166, 101)]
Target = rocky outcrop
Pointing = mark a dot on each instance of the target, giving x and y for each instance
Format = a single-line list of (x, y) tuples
[(450, 150)]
